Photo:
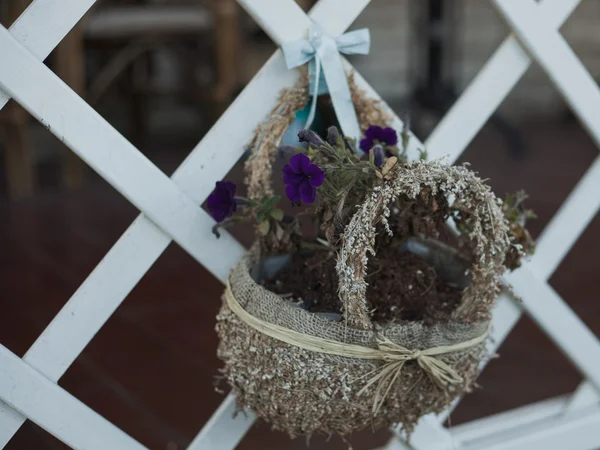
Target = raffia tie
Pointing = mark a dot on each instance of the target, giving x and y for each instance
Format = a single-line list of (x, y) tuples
[(393, 355)]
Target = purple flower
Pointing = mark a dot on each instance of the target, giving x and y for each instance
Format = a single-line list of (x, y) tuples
[(379, 155), (311, 137), (301, 179), (376, 134), (221, 202)]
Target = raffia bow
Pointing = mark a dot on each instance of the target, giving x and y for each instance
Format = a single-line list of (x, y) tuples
[(394, 355)]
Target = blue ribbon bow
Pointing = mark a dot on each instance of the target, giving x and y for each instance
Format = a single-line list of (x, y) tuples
[(323, 52)]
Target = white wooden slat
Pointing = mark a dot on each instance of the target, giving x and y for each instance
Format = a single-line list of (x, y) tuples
[(95, 300), (559, 322), (55, 410), (64, 339), (284, 20), (574, 215), (337, 15), (142, 243), (79, 321), (585, 396), (83, 130), (222, 431), (273, 16), (44, 24), (430, 430), (507, 421), (579, 432), (569, 222), (414, 144), (506, 314), (264, 22), (490, 87), (538, 426), (326, 14), (463, 121), (562, 66), (580, 91), (522, 428)]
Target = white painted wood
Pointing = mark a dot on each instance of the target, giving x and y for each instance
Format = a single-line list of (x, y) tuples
[(490, 87), (142, 243), (578, 432), (83, 130), (559, 322), (337, 15), (174, 207), (585, 396), (414, 144), (569, 222), (327, 13), (538, 426), (222, 430), (508, 420), (55, 410), (65, 338), (580, 90), (429, 432), (559, 61), (44, 24), (522, 428), (284, 20)]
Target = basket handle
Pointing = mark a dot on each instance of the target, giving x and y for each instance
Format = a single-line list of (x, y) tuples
[(267, 137), (358, 240), (489, 235)]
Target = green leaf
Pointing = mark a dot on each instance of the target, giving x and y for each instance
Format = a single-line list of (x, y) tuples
[(277, 215), (264, 227), (260, 215), (273, 201)]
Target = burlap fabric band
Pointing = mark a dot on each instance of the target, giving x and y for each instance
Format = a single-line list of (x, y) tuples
[(392, 354), (393, 345)]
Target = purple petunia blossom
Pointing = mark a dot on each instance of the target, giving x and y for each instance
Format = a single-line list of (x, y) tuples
[(221, 202), (379, 155), (301, 179), (378, 135)]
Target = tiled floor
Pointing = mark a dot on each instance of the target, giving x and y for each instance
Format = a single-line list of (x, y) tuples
[(150, 369)]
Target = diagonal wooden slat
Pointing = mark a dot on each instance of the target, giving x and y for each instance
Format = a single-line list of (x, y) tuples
[(475, 105), (538, 425), (223, 430), (55, 410), (573, 217), (492, 84), (559, 322), (142, 243), (570, 77), (551, 51), (44, 24), (83, 130), (508, 315)]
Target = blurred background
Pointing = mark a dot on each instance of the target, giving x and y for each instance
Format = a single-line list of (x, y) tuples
[(161, 72)]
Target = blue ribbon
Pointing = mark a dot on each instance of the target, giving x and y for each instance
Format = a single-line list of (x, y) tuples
[(323, 53)]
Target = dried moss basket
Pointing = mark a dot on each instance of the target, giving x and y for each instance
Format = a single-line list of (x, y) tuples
[(302, 390)]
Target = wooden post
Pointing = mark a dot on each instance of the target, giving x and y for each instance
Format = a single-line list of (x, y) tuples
[(17, 155), (226, 15), (70, 67)]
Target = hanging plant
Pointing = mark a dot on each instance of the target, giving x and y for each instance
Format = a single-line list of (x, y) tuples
[(367, 303)]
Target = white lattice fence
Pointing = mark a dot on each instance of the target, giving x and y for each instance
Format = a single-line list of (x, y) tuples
[(169, 211)]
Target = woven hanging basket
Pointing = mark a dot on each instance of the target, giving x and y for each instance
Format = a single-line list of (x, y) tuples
[(305, 374)]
